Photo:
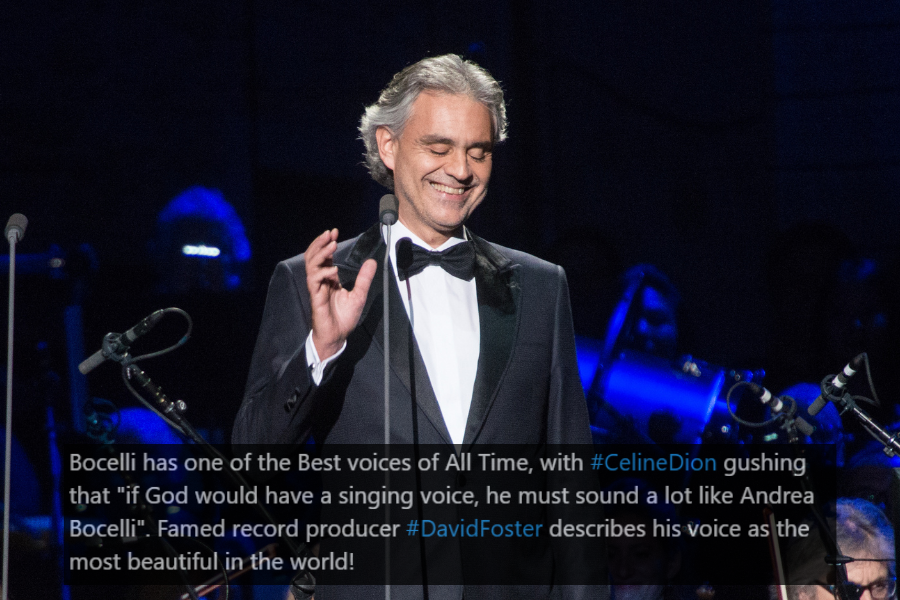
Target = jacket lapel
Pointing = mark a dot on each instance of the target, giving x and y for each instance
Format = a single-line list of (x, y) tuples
[(406, 360), (496, 281)]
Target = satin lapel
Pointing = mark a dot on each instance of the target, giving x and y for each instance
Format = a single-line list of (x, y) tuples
[(368, 245), (496, 282), (406, 360)]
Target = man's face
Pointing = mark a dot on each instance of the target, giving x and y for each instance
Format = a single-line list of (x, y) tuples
[(656, 327), (441, 163), (861, 573)]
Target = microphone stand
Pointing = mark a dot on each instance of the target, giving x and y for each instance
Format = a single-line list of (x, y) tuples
[(101, 430), (15, 230), (846, 404), (388, 207), (173, 412), (387, 402), (788, 422)]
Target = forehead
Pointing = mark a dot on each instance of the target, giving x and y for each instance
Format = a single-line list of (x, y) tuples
[(454, 117), (865, 572)]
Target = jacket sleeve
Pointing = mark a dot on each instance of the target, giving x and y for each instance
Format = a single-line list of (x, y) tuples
[(278, 399), (577, 560), (568, 421)]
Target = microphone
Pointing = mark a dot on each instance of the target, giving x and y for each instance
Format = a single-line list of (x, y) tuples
[(14, 232), (15, 228), (777, 406), (837, 384), (387, 209), (114, 343), (387, 215)]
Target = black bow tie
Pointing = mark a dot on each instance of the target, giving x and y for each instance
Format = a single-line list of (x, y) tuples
[(458, 260)]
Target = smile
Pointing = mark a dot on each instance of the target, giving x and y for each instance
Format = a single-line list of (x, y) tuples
[(447, 189)]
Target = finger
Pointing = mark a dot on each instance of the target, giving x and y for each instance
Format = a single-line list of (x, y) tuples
[(364, 281), (321, 250), (322, 283), (321, 257), (317, 244), (321, 275), (324, 276)]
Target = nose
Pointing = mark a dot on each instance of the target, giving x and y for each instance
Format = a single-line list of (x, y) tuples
[(457, 166)]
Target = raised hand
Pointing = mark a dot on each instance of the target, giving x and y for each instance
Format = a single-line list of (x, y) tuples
[(335, 311)]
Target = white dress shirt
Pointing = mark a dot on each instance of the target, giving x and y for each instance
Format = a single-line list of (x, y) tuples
[(444, 317)]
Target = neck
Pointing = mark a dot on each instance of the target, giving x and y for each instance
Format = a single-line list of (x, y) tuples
[(433, 237)]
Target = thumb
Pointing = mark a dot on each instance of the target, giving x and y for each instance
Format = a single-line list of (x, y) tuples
[(364, 281)]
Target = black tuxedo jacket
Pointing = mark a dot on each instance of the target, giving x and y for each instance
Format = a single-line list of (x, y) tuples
[(527, 389)]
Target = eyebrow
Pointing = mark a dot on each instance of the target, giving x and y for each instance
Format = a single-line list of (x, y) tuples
[(436, 139)]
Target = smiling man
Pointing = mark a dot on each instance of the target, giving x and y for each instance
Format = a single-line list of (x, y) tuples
[(441, 161), (482, 349)]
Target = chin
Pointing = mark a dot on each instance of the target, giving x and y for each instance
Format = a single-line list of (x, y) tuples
[(448, 226)]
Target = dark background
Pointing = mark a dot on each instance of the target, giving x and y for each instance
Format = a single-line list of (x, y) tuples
[(687, 135)]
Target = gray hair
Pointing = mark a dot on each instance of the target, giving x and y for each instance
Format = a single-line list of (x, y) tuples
[(448, 74), (863, 531)]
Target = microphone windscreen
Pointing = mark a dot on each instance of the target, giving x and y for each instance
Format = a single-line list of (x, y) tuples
[(803, 427), (817, 406), (17, 223), (92, 362), (857, 362), (387, 209)]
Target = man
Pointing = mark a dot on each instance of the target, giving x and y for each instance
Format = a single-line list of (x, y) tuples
[(491, 356), (866, 536)]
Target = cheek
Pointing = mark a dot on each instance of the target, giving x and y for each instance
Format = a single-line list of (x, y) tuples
[(483, 171), (821, 594)]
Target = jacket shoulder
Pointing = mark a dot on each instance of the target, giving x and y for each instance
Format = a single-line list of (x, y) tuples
[(528, 263), (297, 264)]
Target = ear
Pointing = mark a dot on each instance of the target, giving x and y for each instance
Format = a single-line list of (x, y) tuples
[(386, 142)]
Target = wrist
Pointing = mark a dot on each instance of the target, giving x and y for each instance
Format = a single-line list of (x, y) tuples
[(326, 349)]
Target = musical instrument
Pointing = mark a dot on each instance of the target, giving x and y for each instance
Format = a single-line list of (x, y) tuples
[(668, 402)]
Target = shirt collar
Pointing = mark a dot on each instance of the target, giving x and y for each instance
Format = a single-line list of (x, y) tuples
[(399, 231)]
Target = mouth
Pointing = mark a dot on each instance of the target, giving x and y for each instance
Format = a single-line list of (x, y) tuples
[(446, 189)]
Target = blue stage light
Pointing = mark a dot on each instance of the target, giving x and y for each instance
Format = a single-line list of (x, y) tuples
[(208, 204), (201, 250)]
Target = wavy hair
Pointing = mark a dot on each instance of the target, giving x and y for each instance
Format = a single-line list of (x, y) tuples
[(447, 74), (863, 531)]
